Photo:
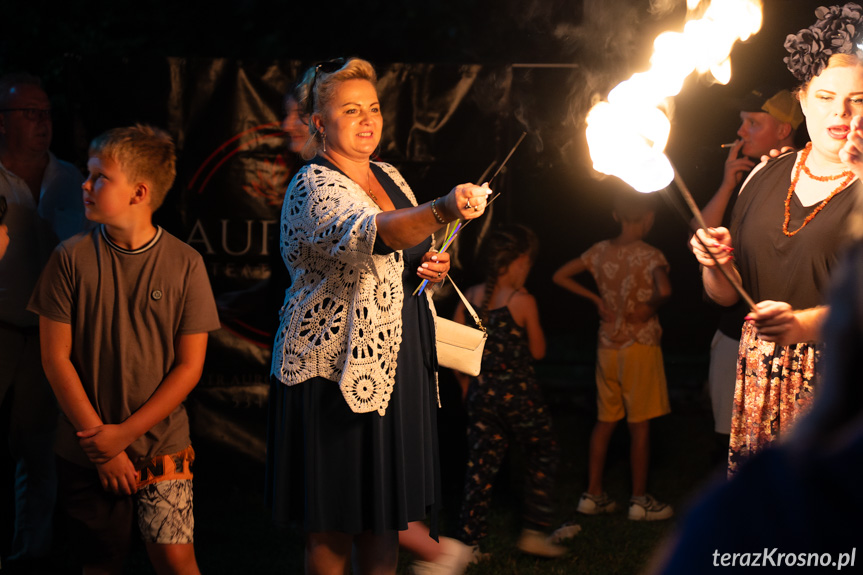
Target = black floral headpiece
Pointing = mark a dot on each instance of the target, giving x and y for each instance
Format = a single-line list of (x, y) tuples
[(839, 30)]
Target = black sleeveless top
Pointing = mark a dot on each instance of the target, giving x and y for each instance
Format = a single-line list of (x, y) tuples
[(774, 266)]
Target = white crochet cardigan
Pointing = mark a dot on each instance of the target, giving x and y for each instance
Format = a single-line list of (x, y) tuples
[(341, 319)]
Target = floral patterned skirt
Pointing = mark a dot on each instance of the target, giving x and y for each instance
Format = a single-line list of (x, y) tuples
[(775, 387)]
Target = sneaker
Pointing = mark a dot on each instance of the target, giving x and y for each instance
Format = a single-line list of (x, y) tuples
[(536, 543), (566, 531), (593, 505), (648, 509), (453, 559)]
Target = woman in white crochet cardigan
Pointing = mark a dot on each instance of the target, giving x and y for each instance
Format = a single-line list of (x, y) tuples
[(352, 447)]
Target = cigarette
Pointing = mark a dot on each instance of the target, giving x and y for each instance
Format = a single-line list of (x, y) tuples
[(728, 145)]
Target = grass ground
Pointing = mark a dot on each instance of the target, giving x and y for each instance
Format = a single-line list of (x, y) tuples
[(234, 535)]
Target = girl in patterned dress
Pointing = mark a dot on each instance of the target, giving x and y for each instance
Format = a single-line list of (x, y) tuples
[(505, 404)]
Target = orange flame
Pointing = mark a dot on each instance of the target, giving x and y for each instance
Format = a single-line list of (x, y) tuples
[(627, 134)]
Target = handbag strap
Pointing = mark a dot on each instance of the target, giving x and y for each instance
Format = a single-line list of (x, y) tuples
[(467, 305)]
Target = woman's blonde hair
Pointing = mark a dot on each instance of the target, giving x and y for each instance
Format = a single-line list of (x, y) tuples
[(315, 93)]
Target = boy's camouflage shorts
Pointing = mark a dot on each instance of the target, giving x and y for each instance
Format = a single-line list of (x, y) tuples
[(164, 499)]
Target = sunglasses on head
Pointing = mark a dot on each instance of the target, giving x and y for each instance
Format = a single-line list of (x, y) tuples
[(327, 67)]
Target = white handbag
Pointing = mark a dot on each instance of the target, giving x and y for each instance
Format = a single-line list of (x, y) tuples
[(460, 346)]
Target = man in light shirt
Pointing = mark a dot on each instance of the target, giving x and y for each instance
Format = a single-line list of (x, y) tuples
[(44, 205)]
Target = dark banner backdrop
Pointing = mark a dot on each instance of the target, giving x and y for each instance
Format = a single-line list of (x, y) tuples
[(442, 125)]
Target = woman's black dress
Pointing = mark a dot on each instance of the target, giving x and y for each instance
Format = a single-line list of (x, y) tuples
[(330, 469)]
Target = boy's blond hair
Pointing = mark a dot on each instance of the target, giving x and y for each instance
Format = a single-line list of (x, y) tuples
[(144, 153)]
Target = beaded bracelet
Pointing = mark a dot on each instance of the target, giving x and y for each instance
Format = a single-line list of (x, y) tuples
[(436, 213)]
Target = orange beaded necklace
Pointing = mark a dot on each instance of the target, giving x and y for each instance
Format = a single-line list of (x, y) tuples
[(801, 166)]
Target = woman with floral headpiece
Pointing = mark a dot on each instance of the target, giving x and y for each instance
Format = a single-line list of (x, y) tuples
[(786, 231)]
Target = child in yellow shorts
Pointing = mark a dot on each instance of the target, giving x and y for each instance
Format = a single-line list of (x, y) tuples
[(632, 279)]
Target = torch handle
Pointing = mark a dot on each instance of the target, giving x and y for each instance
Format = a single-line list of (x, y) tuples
[(693, 207), (684, 191), (731, 279)]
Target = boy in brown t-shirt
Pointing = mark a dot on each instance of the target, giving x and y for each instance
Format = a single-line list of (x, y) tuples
[(125, 312)]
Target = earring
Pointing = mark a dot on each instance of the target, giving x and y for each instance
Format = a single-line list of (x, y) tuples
[(323, 141)]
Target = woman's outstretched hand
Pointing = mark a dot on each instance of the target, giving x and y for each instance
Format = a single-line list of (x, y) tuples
[(467, 201)]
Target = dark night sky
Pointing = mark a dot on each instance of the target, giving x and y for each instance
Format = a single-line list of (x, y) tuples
[(484, 31)]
